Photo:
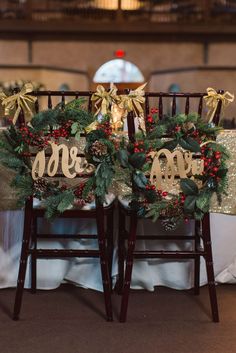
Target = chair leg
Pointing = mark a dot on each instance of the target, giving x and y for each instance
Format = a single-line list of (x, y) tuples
[(104, 262), (197, 259), (129, 267), (121, 252), (210, 268), (34, 258), (23, 261), (110, 242)]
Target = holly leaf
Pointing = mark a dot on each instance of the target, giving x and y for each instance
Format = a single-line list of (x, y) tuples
[(188, 186), (137, 160), (189, 203)]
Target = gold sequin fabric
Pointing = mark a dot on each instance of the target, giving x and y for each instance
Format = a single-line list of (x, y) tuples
[(228, 206)]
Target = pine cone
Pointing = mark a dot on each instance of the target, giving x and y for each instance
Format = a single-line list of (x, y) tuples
[(99, 148), (40, 184)]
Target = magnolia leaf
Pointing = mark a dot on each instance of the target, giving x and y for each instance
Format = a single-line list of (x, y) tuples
[(189, 144), (137, 160), (189, 203), (188, 186), (140, 180), (122, 156), (203, 202), (170, 145)]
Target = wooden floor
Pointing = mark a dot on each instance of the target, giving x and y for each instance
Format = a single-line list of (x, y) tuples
[(71, 320)]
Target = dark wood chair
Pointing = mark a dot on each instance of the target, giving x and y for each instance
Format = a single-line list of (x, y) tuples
[(102, 215), (128, 230)]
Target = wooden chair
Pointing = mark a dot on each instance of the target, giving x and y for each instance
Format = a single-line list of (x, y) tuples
[(103, 215), (127, 254)]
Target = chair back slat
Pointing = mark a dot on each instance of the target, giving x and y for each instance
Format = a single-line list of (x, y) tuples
[(37, 106), (160, 108), (187, 105), (147, 106), (90, 102), (49, 101), (200, 106), (174, 105)]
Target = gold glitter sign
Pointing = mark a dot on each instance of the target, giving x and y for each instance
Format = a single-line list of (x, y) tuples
[(62, 157), (168, 166)]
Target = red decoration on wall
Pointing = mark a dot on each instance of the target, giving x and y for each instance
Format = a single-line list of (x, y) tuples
[(119, 53)]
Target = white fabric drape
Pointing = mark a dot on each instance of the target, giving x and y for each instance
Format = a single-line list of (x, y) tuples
[(86, 272)]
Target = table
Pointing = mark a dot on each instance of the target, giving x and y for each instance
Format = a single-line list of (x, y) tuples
[(147, 273)]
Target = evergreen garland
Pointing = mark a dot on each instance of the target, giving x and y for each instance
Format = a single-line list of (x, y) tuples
[(65, 121), (192, 134)]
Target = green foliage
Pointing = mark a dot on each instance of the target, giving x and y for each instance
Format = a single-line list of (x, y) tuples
[(190, 133), (155, 210), (58, 203), (137, 160)]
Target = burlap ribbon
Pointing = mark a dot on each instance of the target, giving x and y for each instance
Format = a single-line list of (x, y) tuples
[(19, 101), (103, 99), (212, 100)]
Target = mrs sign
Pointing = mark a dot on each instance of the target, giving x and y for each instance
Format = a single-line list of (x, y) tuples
[(167, 166)]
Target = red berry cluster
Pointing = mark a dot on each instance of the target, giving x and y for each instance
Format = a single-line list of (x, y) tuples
[(138, 146), (159, 192), (31, 138), (63, 131), (78, 192), (151, 119), (106, 127), (180, 200), (177, 128), (211, 161)]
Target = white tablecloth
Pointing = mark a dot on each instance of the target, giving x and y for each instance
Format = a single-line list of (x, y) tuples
[(86, 272)]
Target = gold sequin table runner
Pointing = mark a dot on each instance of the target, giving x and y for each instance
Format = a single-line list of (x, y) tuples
[(228, 206)]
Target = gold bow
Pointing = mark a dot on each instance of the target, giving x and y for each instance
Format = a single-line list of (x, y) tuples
[(134, 100), (104, 99), (133, 103), (212, 100), (19, 101)]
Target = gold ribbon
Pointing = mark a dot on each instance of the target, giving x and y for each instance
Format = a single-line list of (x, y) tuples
[(19, 101), (91, 127), (212, 100), (104, 99)]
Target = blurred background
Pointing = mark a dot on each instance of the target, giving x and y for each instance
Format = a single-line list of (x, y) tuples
[(176, 45)]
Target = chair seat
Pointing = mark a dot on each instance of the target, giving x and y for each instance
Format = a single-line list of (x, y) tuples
[(109, 199)]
